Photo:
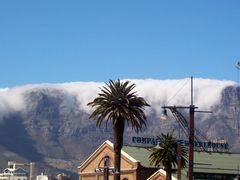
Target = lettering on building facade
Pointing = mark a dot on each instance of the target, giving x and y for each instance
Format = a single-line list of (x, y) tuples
[(212, 146)]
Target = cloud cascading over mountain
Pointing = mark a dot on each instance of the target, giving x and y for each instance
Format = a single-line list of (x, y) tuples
[(207, 92)]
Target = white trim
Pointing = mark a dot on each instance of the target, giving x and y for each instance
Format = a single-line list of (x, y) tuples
[(105, 142), (123, 152), (162, 172)]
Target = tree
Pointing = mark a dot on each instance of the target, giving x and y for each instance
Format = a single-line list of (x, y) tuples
[(118, 103), (166, 155)]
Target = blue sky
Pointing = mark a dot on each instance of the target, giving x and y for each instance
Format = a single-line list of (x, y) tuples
[(64, 41)]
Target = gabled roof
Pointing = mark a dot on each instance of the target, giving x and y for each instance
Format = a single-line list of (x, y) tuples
[(159, 174), (17, 170), (7, 170), (105, 144), (20, 170)]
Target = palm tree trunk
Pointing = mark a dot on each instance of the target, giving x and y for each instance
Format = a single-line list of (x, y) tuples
[(118, 143), (168, 172)]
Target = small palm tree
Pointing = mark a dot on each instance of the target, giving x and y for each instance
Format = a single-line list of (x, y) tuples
[(166, 155), (119, 103)]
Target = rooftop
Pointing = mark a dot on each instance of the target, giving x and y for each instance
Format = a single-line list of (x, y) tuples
[(225, 163)]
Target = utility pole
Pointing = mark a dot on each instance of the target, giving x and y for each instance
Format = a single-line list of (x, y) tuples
[(191, 136), (191, 108), (237, 121), (191, 129), (191, 142)]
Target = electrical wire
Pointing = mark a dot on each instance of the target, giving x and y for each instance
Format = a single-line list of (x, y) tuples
[(170, 99)]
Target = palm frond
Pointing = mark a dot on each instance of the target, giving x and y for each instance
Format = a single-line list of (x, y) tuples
[(118, 100), (167, 154)]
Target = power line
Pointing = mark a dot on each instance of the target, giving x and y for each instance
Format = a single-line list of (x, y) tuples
[(170, 99)]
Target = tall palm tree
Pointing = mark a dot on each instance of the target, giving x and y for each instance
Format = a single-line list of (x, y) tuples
[(166, 155), (119, 103)]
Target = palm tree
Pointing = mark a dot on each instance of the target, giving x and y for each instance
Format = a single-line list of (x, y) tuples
[(166, 155), (119, 103)]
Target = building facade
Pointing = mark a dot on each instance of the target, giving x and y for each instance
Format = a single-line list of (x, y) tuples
[(14, 174), (135, 165)]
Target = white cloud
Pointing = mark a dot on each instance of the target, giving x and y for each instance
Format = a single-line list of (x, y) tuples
[(156, 92), (206, 93), (84, 91), (10, 100)]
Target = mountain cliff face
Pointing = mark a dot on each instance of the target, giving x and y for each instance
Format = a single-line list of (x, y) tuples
[(224, 122), (52, 131)]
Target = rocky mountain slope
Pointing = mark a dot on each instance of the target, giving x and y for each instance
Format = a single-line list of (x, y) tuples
[(52, 130)]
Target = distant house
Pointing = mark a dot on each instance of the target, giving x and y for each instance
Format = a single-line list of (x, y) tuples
[(63, 176), (14, 174), (41, 177), (135, 165)]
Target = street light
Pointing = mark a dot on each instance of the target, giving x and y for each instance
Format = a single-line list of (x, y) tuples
[(106, 169), (164, 115), (158, 146)]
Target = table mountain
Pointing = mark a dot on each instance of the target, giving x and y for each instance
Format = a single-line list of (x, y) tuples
[(49, 123)]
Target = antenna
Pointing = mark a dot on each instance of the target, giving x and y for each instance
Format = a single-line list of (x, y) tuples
[(192, 89), (238, 64)]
